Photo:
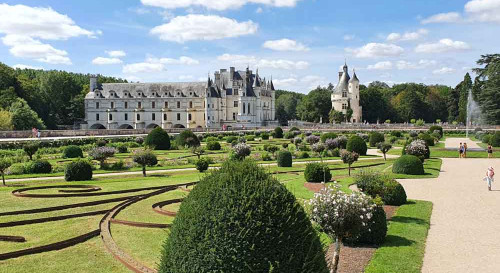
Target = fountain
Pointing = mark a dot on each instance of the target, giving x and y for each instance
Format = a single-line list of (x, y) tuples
[(473, 113)]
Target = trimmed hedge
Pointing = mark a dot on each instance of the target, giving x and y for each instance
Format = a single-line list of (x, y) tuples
[(278, 132), (375, 232), (429, 140), (329, 135), (158, 139), (72, 151), (436, 128), (394, 194), (241, 219), (373, 184), (376, 138), (187, 137), (357, 144), (284, 159), (317, 173), (408, 164), (79, 170), (213, 146), (202, 164), (38, 166)]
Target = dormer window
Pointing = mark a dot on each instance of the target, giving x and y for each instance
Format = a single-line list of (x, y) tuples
[(344, 94)]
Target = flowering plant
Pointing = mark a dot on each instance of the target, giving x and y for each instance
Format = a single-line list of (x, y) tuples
[(341, 141), (331, 144), (341, 215), (241, 150), (312, 139), (417, 148), (102, 153)]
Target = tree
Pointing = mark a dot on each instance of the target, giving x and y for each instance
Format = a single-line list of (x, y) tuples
[(286, 107), (384, 147), (23, 117), (145, 157), (336, 116), (487, 88), (452, 103), (374, 104), (4, 165), (315, 106), (349, 158), (341, 215), (5, 120), (348, 114), (463, 91), (198, 151), (31, 148), (241, 150), (101, 154)]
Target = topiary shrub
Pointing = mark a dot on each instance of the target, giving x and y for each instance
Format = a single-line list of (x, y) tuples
[(38, 166), (376, 138), (393, 193), (486, 138), (317, 172), (418, 148), (208, 235), (31, 148), (144, 157), (435, 128), (202, 164), (278, 132), (375, 231), (264, 136), (122, 148), (158, 139), (408, 164), (329, 135), (72, 151), (396, 134), (187, 138), (213, 146), (357, 144), (230, 139), (79, 170), (429, 140), (304, 155), (101, 143), (495, 140), (284, 159)]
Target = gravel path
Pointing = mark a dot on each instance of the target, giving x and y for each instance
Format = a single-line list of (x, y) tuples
[(454, 143), (465, 223)]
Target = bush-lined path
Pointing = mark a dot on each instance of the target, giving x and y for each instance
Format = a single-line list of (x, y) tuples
[(464, 234)]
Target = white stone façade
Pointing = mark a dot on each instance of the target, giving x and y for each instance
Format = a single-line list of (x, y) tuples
[(346, 95), (232, 99)]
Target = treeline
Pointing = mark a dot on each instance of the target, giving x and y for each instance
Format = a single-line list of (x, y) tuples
[(406, 102), (42, 99)]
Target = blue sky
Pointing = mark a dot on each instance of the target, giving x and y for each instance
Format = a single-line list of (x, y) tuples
[(301, 43)]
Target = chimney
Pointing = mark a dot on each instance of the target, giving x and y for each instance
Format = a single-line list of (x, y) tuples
[(231, 73), (93, 83)]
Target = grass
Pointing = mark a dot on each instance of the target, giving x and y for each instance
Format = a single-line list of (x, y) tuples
[(403, 250)]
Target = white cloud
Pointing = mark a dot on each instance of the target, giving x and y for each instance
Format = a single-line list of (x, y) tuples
[(380, 66), (133, 79), (285, 82), (348, 37), (285, 45), (449, 17), (407, 36), (202, 27), (253, 61), (144, 67), (183, 60), (444, 45), (443, 70), (374, 50), (216, 5), (402, 65), (259, 10), (116, 53), (23, 66), (27, 47), (106, 61), (483, 10)]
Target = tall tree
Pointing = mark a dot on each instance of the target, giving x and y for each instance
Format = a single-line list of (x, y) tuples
[(315, 106), (463, 92), (374, 104), (286, 107)]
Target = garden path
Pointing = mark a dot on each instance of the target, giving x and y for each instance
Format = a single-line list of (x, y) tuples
[(464, 234), (454, 143)]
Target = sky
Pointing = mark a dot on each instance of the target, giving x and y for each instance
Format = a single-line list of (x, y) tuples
[(299, 43)]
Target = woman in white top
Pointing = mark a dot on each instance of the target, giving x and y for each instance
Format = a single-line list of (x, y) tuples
[(490, 173)]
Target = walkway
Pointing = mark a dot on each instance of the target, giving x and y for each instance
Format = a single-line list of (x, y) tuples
[(454, 143), (465, 223)]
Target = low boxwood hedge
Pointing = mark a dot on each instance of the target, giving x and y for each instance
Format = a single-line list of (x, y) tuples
[(72, 151), (317, 173)]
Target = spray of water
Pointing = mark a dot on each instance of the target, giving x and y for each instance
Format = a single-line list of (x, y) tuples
[(473, 113)]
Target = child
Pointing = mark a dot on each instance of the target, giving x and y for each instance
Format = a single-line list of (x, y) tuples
[(490, 173)]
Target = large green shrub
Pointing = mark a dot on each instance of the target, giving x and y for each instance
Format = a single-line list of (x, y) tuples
[(187, 138), (373, 184), (408, 164), (38, 166), (72, 151), (394, 194), (329, 135), (213, 146), (158, 139), (436, 128), (241, 219), (486, 138), (375, 232), (376, 138), (317, 172), (202, 164), (278, 132), (495, 140), (230, 139), (357, 144), (284, 159), (429, 140), (79, 170)]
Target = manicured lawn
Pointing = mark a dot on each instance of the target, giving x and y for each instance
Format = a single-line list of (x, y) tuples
[(403, 250)]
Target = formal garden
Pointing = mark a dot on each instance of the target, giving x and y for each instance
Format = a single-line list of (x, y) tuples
[(261, 201)]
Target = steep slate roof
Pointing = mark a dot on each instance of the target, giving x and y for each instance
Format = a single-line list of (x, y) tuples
[(343, 81)]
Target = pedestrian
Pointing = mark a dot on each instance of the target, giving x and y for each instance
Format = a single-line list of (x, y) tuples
[(460, 150), (33, 134), (490, 173), (465, 149), (38, 133), (490, 151)]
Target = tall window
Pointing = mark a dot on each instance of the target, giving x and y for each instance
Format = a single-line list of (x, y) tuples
[(153, 105), (166, 104), (344, 94), (139, 105), (178, 104), (248, 108), (190, 104), (236, 104), (97, 105), (244, 109), (165, 117), (344, 106), (189, 117), (178, 116), (138, 116), (234, 116), (112, 105), (126, 116), (153, 116), (110, 117), (126, 105), (96, 116)]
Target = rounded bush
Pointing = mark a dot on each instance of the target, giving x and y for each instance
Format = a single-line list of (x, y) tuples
[(187, 138), (264, 136), (376, 138), (122, 148), (303, 154), (394, 194), (208, 234), (202, 164), (495, 140), (375, 232), (72, 151), (317, 172), (230, 139), (38, 166), (158, 139), (429, 140), (408, 164), (278, 132), (284, 159), (213, 146), (210, 139), (436, 128), (396, 134), (101, 142), (79, 170), (486, 138), (329, 135), (357, 144)]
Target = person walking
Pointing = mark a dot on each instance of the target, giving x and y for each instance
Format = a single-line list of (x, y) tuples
[(490, 151), (490, 173), (460, 150), (465, 150)]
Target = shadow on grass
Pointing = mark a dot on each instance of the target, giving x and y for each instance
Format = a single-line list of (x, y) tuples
[(397, 241), (409, 220)]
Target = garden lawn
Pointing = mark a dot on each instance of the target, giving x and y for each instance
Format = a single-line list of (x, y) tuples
[(403, 250)]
